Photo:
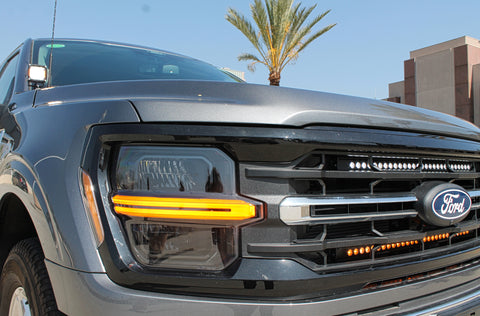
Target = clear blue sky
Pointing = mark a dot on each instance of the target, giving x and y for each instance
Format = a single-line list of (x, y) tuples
[(359, 56)]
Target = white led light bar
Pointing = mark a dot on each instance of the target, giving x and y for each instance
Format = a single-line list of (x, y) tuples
[(401, 164)]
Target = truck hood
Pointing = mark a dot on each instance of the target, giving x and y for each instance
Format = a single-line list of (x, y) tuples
[(238, 103)]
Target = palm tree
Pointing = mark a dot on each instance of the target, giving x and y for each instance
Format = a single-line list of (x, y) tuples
[(281, 35)]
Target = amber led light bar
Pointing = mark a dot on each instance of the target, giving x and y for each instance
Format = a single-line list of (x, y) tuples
[(183, 208), (367, 249)]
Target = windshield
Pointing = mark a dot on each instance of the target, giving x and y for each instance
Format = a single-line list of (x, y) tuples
[(77, 62)]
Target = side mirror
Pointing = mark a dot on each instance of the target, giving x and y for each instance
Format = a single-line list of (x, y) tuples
[(37, 76)]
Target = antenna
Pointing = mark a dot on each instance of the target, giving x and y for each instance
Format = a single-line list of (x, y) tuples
[(51, 44)]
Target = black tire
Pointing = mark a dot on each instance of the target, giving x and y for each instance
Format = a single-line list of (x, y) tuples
[(25, 269)]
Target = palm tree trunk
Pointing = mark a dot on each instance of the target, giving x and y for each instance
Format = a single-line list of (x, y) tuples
[(274, 78)]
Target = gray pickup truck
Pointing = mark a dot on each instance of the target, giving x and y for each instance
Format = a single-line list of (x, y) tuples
[(135, 181)]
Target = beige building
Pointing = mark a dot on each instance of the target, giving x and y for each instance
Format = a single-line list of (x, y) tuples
[(239, 74), (444, 77)]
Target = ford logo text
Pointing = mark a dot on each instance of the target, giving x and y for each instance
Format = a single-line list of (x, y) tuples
[(451, 204)]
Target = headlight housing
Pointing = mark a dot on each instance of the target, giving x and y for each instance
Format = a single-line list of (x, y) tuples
[(179, 206)]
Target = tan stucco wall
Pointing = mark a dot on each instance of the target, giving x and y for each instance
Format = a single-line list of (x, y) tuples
[(397, 89), (473, 59), (435, 77), (464, 40), (476, 93)]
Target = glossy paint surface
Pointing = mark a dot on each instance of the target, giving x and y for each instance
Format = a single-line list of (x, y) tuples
[(47, 136)]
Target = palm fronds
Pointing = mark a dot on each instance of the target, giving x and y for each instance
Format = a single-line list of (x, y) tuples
[(281, 32)]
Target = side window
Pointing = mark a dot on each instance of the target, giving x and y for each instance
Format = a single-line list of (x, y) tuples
[(7, 80)]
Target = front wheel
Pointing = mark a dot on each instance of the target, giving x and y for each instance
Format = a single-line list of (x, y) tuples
[(25, 287)]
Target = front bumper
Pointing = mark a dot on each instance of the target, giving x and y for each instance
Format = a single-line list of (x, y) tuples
[(80, 293)]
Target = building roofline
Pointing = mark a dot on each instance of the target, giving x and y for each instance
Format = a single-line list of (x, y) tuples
[(460, 41)]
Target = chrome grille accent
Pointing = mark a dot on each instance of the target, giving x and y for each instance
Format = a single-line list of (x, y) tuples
[(297, 210)]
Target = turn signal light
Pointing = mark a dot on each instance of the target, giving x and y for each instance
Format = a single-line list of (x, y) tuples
[(91, 207), (183, 208)]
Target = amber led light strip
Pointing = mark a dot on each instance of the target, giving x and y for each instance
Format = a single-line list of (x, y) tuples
[(368, 249), (183, 208)]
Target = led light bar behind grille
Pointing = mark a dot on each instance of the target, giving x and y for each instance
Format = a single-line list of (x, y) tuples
[(365, 250), (402, 164)]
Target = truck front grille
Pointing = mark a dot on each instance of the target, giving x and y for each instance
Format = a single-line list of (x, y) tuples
[(353, 211)]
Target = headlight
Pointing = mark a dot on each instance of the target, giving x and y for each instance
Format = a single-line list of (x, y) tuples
[(179, 206)]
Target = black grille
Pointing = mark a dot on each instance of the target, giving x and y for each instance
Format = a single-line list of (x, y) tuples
[(317, 173), (369, 241), (359, 210)]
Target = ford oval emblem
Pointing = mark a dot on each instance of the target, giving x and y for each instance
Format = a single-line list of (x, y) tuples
[(442, 203), (451, 204)]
